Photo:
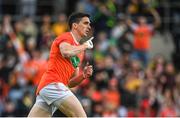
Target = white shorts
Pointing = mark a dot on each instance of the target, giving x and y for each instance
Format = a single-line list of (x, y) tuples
[(50, 94)]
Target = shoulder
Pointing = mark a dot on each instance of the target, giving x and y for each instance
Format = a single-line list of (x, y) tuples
[(65, 37), (150, 27)]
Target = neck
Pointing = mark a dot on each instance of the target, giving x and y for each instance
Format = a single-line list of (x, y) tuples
[(76, 36)]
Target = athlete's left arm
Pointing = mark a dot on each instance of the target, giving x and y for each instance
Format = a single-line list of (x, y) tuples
[(78, 76)]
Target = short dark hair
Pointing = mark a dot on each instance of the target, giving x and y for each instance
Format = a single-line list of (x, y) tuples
[(76, 17)]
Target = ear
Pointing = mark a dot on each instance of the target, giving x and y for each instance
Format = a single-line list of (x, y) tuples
[(74, 25)]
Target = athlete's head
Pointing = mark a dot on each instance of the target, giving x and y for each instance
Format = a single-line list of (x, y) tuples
[(80, 22)]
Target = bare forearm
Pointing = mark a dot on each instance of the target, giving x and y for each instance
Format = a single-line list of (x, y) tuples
[(69, 50), (74, 50), (76, 80), (156, 17)]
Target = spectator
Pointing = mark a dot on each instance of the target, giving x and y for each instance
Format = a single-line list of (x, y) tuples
[(45, 34), (61, 25), (168, 108), (142, 35), (9, 109)]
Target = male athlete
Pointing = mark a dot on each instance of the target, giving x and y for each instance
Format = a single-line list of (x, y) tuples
[(64, 72)]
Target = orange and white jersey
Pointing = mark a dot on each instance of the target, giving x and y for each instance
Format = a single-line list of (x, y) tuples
[(60, 69)]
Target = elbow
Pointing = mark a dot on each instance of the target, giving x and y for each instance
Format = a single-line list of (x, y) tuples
[(158, 24)]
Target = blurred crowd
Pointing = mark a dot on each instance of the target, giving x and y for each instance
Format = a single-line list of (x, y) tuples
[(126, 82)]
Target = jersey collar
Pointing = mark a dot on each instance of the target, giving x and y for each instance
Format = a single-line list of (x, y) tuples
[(74, 38)]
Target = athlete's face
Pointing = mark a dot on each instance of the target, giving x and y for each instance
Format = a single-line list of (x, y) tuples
[(83, 27)]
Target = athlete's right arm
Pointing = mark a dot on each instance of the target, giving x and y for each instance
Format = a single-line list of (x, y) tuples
[(68, 50)]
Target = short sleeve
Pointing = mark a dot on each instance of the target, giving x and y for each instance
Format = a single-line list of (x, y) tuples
[(60, 40), (151, 27), (134, 26)]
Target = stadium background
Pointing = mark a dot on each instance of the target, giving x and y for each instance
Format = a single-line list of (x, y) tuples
[(121, 85)]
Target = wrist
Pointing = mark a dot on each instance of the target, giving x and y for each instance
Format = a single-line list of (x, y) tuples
[(85, 45)]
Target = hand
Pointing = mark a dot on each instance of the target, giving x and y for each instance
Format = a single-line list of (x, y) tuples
[(87, 71), (89, 43)]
